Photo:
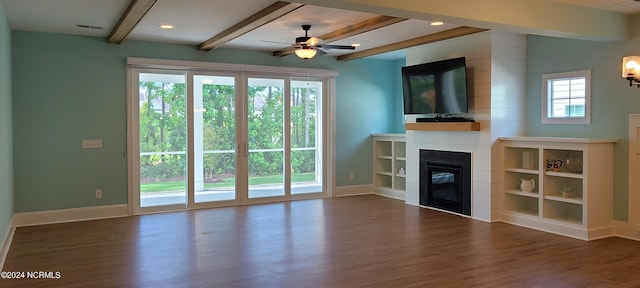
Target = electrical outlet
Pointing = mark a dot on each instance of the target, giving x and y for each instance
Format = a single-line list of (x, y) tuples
[(99, 193), (92, 144), (351, 176)]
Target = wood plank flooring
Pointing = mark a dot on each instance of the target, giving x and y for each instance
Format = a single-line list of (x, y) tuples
[(358, 241)]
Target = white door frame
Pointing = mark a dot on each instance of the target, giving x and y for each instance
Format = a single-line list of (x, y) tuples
[(634, 174)]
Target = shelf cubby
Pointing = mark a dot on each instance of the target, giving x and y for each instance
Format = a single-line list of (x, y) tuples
[(383, 149), (522, 203), (521, 158), (383, 180), (563, 211), (513, 179)]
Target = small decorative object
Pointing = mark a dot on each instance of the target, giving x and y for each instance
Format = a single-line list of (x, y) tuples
[(527, 185), (553, 165), (574, 165), (567, 193), (401, 171), (527, 160)]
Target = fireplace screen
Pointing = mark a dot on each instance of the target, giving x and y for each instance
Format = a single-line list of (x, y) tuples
[(444, 188), (443, 183)]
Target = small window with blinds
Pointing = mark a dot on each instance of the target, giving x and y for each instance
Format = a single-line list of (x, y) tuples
[(566, 98)]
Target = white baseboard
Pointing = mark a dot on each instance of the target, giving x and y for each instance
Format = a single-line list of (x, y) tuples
[(352, 190), (69, 215), (6, 243), (557, 227), (390, 193), (626, 230)]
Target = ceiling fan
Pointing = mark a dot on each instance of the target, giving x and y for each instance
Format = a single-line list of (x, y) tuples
[(306, 47)]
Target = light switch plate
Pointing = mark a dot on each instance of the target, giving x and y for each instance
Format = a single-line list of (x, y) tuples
[(92, 143)]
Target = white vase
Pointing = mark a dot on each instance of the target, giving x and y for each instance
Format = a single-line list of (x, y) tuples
[(527, 185)]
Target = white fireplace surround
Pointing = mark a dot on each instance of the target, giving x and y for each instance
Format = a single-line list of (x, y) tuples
[(480, 177), (496, 75)]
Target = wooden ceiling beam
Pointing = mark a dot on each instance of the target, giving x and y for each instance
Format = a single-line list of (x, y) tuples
[(426, 39), (264, 16), (359, 28), (351, 30), (134, 13)]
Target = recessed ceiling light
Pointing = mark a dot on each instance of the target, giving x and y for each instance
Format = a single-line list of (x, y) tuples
[(437, 23), (355, 44), (166, 26)]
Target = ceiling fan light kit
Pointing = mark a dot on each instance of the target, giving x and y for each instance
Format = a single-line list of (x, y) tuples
[(305, 53)]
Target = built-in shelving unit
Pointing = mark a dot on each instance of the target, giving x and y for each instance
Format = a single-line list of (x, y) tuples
[(572, 200), (389, 158), (443, 126)]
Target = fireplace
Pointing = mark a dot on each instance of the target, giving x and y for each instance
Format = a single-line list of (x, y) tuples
[(445, 180)]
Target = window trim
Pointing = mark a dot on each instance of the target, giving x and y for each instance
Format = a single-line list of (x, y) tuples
[(586, 74)]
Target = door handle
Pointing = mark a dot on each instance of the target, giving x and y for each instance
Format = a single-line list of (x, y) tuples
[(245, 151)]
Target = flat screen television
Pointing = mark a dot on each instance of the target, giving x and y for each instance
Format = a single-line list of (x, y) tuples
[(436, 89)]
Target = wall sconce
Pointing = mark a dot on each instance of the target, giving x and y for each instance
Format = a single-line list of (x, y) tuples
[(631, 70), (305, 53)]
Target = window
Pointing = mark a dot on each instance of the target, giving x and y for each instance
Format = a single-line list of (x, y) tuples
[(566, 98)]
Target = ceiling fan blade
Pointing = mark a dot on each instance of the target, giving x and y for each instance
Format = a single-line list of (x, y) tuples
[(347, 47), (285, 51), (320, 52), (268, 41)]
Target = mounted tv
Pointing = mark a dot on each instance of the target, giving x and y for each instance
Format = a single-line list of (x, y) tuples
[(436, 89)]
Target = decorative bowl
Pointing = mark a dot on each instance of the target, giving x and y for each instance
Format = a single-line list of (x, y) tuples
[(573, 165)]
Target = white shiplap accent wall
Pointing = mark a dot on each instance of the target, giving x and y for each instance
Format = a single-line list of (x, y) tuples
[(496, 70)]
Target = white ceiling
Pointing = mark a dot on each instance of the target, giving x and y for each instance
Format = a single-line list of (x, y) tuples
[(622, 6), (197, 20)]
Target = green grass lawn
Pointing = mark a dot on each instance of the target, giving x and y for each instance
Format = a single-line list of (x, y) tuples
[(230, 182)]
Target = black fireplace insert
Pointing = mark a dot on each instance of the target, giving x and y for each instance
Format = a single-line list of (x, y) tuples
[(445, 180)]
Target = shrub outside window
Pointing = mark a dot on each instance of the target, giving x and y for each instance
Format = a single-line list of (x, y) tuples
[(566, 97)]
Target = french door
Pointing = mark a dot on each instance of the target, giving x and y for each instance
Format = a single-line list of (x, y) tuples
[(215, 139)]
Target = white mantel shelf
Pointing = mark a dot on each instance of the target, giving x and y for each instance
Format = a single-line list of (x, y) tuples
[(443, 126)]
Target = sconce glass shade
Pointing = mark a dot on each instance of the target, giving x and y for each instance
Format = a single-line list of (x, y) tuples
[(631, 69), (306, 53), (630, 66)]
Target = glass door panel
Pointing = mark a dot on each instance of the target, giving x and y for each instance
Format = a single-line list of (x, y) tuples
[(265, 119), (162, 139), (200, 140), (214, 138), (306, 141)]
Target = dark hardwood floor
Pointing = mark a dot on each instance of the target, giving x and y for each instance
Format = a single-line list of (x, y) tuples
[(359, 241)]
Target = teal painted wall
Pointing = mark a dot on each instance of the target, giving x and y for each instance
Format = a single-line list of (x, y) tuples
[(370, 110), (612, 98), (75, 88), (398, 119), (6, 138), (381, 95)]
